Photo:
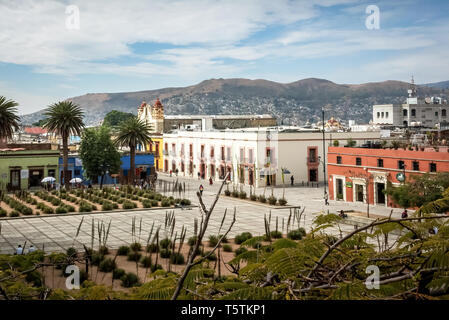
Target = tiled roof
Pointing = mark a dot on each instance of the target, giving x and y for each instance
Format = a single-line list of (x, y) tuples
[(35, 130)]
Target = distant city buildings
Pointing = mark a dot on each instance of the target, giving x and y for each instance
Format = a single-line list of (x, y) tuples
[(432, 112)]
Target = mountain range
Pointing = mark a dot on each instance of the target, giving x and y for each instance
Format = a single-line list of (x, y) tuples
[(294, 103)]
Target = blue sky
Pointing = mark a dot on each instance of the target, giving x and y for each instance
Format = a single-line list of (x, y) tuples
[(140, 45)]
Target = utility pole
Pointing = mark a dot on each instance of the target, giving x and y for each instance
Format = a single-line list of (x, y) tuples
[(324, 156)]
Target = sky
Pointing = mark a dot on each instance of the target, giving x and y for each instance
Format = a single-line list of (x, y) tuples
[(52, 50)]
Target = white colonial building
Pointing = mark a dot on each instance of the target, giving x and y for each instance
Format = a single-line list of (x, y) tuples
[(430, 112), (254, 156)]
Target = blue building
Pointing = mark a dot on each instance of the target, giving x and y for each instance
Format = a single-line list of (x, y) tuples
[(144, 167), (75, 168)]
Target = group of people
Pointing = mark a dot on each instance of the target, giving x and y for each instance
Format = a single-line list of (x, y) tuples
[(20, 250)]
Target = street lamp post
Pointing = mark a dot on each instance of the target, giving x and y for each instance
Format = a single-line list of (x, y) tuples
[(324, 158)]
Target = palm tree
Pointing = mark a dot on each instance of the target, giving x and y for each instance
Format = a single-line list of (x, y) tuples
[(9, 120), (131, 133), (65, 119)]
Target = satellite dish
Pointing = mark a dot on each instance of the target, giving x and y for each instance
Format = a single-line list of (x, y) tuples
[(428, 100)]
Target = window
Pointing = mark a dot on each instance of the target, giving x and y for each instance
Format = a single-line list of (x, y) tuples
[(250, 156), (242, 155), (222, 153), (404, 112), (415, 165), (386, 114), (269, 156), (77, 172), (380, 163), (312, 155), (436, 113), (156, 147), (382, 114), (358, 161), (182, 152), (378, 114), (443, 112), (212, 152), (413, 112), (338, 159), (433, 167), (52, 173), (191, 150), (228, 154), (401, 165), (202, 151)]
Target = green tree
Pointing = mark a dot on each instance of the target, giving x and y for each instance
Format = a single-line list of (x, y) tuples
[(99, 154), (39, 123), (351, 143), (9, 120), (65, 119), (131, 133), (115, 118), (420, 190)]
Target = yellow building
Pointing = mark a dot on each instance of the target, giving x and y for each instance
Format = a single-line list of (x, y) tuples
[(153, 115)]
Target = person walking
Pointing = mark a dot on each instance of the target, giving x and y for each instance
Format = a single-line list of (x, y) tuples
[(292, 181), (201, 190), (210, 180), (19, 250), (326, 199), (31, 249)]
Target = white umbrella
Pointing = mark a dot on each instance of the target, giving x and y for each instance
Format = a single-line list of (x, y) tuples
[(48, 179), (76, 180)]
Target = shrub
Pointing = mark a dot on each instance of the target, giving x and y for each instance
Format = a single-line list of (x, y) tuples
[(71, 252), (212, 257), (107, 206), (97, 258), (129, 205), (129, 280), (227, 193), (272, 200), (253, 197), (14, 213), (154, 203), (282, 201), (61, 209), (3, 213), (242, 195), (235, 194), (197, 252), (156, 267), (296, 234), (48, 210), (134, 256), (240, 250), (224, 240), (123, 251), (262, 199), (146, 262), (103, 250), (275, 234), (242, 237), (136, 246), (165, 253), (177, 258), (146, 203), (227, 248), (118, 273), (165, 203), (85, 207), (152, 247), (256, 245), (213, 240), (55, 201), (192, 241), (27, 211), (185, 202), (107, 265), (165, 243)]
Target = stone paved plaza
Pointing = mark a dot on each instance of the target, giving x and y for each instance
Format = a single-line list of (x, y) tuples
[(57, 233)]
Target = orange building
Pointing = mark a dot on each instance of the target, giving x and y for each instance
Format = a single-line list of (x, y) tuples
[(361, 174)]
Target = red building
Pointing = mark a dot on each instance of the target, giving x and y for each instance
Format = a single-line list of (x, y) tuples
[(361, 174)]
